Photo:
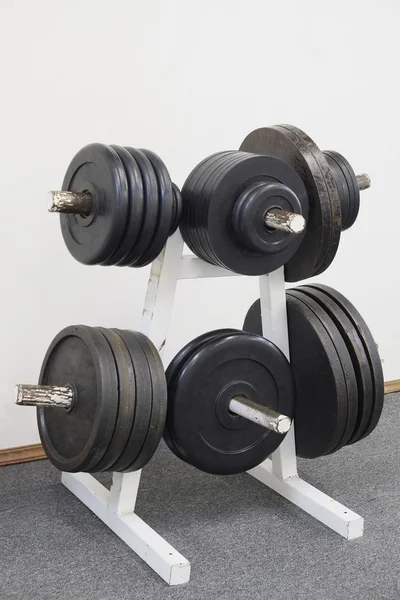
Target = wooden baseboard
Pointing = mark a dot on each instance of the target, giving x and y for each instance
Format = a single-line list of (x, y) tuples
[(392, 386), (21, 454)]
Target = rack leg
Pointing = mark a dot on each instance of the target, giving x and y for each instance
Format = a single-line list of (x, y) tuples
[(317, 504), (142, 539), (280, 471), (160, 294), (124, 491), (274, 323), (116, 507)]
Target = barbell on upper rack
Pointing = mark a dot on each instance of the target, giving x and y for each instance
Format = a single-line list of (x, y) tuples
[(80, 203), (118, 205)]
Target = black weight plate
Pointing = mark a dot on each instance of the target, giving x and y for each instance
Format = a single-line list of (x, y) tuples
[(177, 364), (143, 404), (163, 225), (206, 188), (345, 361), (358, 356), (354, 190), (158, 403), (206, 184), (216, 218), (127, 400), (321, 396), (178, 204), (213, 439), (97, 169), (330, 183), (207, 197), (348, 189), (206, 170), (136, 207), (370, 349), (208, 174), (77, 439), (323, 229), (150, 208), (190, 195), (249, 214), (189, 199)]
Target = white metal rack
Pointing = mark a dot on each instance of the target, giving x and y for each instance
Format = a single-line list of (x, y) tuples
[(116, 507)]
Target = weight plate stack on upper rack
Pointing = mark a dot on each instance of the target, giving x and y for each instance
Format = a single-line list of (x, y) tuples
[(336, 365), (133, 206), (227, 201), (333, 193), (118, 410)]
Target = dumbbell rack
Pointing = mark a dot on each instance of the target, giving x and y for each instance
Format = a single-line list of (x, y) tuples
[(116, 507)]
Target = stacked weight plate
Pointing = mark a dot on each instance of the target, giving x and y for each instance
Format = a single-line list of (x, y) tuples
[(134, 206), (203, 378), (336, 365), (119, 400), (332, 189), (225, 200)]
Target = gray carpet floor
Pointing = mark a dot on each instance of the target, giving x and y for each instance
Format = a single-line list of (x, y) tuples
[(243, 540)]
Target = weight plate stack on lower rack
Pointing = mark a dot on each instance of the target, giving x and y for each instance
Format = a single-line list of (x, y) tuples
[(337, 369), (364, 352), (333, 192), (101, 398), (213, 385), (118, 206)]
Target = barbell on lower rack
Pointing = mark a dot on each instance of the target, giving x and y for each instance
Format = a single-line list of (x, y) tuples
[(110, 389), (53, 396)]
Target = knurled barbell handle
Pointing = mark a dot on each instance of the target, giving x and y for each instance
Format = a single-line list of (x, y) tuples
[(268, 418), (63, 397), (284, 220), (44, 395), (75, 203), (363, 181)]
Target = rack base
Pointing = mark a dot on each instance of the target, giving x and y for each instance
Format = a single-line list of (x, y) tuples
[(142, 539), (317, 504), (116, 507)]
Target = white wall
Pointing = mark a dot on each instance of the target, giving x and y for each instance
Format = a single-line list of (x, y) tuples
[(184, 78)]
